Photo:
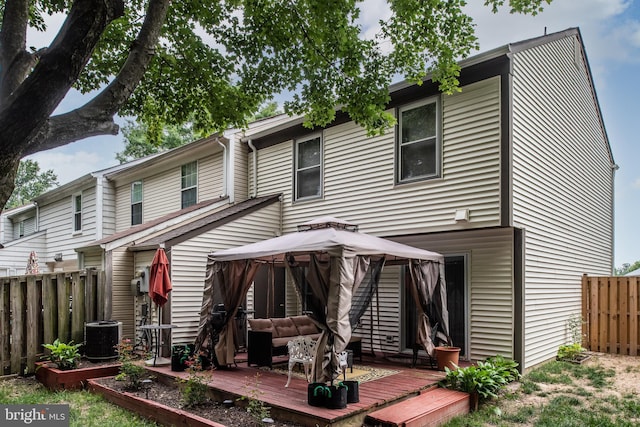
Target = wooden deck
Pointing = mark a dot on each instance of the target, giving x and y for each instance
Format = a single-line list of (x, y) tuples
[(290, 404)]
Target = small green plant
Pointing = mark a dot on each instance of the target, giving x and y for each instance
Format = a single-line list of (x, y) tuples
[(65, 356), (130, 372), (570, 352), (485, 379), (195, 389), (255, 406)]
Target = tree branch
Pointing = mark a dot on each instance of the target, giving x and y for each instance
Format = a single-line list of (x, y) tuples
[(96, 117), (116, 94), (15, 61), (32, 103)]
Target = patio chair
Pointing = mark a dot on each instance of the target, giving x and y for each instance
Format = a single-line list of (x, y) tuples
[(301, 350)]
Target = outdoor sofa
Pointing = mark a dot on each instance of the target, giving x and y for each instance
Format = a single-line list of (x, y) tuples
[(269, 337)]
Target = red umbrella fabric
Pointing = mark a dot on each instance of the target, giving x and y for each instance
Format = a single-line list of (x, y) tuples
[(159, 280)]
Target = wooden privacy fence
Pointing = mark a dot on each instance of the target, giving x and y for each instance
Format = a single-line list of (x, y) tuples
[(37, 309), (610, 314)]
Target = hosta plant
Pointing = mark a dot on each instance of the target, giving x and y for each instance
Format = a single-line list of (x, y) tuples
[(65, 356)]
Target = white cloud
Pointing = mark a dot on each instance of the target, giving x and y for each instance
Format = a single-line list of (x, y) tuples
[(68, 166)]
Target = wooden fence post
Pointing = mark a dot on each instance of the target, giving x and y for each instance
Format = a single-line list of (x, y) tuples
[(64, 287), (17, 324), (78, 308), (5, 326), (34, 307)]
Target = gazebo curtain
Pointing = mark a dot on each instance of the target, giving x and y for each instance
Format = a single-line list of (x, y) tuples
[(429, 292), (227, 282), (332, 281)]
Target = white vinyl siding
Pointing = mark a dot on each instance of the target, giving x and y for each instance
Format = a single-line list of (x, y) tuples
[(210, 177), (189, 260), (359, 173), (108, 209), (490, 284), (56, 218), (14, 256), (240, 175), (562, 188)]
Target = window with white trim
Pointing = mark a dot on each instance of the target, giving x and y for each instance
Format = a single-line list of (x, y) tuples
[(189, 184), (76, 208), (308, 168), (418, 150), (136, 203)]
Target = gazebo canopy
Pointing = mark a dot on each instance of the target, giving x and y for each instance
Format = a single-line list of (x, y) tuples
[(329, 235), (333, 258)]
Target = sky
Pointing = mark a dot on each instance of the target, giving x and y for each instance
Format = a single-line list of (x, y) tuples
[(611, 33)]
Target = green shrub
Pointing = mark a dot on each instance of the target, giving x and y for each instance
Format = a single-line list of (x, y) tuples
[(195, 389), (130, 372), (570, 351), (66, 356), (485, 379)]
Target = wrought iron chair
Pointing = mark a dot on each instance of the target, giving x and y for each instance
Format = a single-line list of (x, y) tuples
[(301, 350)]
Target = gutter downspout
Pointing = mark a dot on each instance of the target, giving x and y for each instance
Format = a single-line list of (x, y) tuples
[(37, 225), (99, 207), (224, 168), (614, 168), (254, 193)]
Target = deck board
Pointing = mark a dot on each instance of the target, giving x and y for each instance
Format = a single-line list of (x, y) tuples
[(291, 403)]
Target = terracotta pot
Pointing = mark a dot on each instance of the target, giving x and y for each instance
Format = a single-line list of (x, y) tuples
[(447, 357)]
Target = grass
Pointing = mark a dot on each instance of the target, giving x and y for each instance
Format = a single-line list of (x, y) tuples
[(566, 395), (85, 409)]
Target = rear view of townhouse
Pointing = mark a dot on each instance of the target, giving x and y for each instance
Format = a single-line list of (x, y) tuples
[(511, 179)]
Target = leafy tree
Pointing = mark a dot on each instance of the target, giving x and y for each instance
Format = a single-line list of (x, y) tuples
[(267, 110), (626, 268), (30, 183), (138, 144), (170, 61)]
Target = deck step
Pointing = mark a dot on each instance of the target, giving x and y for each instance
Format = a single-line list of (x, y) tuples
[(431, 408)]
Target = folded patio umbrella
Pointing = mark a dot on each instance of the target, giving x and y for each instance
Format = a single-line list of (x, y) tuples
[(159, 288)]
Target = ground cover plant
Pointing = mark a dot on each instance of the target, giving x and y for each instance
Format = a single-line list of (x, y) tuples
[(602, 392)]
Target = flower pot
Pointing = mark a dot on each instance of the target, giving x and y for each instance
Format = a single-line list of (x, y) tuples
[(447, 357), (336, 397), (353, 391), (179, 355), (317, 394)]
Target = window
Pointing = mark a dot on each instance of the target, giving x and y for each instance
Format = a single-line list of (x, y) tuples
[(77, 212), (21, 229), (418, 141), (136, 203), (308, 168), (189, 184)]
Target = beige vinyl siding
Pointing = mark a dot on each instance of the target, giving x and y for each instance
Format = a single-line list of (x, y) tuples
[(56, 219), (123, 303), (210, 177), (162, 191), (189, 259), (359, 173), (562, 188), (240, 176), (490, 261), (108, 209)]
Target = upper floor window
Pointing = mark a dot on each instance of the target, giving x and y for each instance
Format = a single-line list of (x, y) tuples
[(419, 141), (308, 168), (77, 212), (21, 229), (189, 184), (136, 203)]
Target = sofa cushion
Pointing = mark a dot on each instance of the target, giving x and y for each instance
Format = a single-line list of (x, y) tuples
[(281, 342), (305, 325), (284, 327), (262, 325)]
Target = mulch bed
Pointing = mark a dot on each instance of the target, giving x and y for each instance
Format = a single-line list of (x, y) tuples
[(170, 395)]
